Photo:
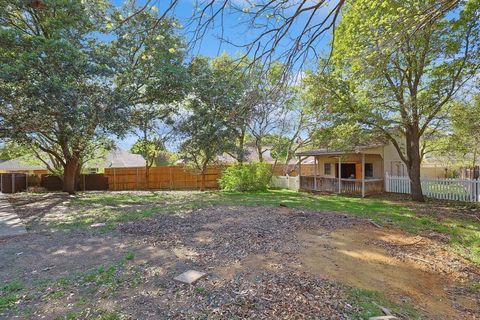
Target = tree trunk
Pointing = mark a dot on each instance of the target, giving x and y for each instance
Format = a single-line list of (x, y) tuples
[(241, 146), (202, 183), (147, 176), (413, 150), (69, 173), (415, 185), (258, 144), (78, 173)]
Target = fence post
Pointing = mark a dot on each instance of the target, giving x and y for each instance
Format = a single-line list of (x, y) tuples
[(13, 182), (114, 180), (26, 182)]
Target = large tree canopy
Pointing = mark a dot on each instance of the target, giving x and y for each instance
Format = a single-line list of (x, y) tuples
[(403, 90), (150, 71), (68, 76)]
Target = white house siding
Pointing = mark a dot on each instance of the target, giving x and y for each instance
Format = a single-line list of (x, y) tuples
[(396, 167)]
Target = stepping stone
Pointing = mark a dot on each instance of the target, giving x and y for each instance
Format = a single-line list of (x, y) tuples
[(383, 318), (190, 276)]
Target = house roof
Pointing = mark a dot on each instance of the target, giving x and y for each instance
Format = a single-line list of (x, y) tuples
[(116, 158), (20, 164), (319, 152), (251, 155)]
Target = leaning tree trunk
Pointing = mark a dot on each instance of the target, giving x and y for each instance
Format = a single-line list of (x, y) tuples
[(413, 145), (69, 173)]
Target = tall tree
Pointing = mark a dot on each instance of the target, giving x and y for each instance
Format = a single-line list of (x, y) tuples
[(207, 121), (150, 70), (459, 144), (241, 88), (55, 79), (269, 108), (402, 90)]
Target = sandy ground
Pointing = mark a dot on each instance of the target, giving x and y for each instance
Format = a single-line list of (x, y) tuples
[(261, 263)]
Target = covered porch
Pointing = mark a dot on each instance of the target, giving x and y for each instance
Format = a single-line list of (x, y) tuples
[(359, 172)]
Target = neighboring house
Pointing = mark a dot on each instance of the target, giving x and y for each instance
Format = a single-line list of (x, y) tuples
[(251, 155), (117, 158), (21, 165), (361, 170)]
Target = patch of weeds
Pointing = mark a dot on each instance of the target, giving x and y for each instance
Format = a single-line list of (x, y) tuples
[(89, 314), (81, 301), (10, 294), (130, 255), (368, 304), (474, 287), (109, 277), (102, 276), (57, 294), (106, 278), (201, 290)]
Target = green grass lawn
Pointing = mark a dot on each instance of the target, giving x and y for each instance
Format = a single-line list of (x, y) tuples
[(104, 207)]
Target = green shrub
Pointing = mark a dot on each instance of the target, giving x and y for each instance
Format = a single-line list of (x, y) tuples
[(246, 177)]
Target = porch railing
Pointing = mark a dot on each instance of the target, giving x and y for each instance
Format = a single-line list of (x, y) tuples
[(349, 186)]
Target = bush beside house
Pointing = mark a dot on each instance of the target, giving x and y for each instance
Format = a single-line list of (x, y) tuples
[(246, 177)]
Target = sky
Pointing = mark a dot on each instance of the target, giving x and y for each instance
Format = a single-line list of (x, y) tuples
[(235, 29)]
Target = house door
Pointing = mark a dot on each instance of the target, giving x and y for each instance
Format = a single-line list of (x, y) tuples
[(348, 170)]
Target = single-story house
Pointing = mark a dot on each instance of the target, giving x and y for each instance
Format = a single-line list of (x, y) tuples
[(359, 171), (116, 158)]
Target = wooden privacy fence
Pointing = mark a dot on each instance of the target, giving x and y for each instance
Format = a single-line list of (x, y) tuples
[(13, 182), (88, 182), (162, 178), (443, 189)]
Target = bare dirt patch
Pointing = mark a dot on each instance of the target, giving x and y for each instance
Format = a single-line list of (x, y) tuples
[(354, 256), (262, 262)]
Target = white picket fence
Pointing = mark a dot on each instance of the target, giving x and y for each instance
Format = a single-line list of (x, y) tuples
[(285, 182), (443, 189)]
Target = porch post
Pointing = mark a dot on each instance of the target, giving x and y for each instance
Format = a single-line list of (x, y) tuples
[(363, 175), (340, 174), (315, 173)]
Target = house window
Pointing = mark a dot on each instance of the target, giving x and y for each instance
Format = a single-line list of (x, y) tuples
[(327, 168), (368, 170)]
